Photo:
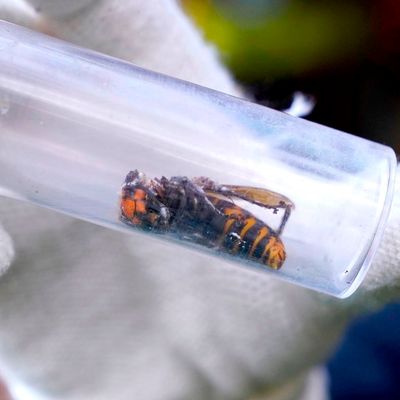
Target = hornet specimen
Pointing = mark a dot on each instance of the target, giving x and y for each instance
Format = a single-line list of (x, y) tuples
[(204, 212)]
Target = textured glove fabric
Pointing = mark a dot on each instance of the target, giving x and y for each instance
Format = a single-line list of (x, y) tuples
[(153, 35), (87, 313)]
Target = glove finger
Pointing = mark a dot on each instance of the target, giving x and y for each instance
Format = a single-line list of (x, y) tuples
[(60, 8), (154, 34), (18, 12)]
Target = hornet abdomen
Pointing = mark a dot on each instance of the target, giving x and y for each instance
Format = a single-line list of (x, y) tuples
[(247, 236)]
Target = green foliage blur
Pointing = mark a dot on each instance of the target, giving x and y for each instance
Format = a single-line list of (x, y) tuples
[(280, 38)]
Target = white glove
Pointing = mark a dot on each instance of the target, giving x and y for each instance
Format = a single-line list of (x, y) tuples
[(87, 313)]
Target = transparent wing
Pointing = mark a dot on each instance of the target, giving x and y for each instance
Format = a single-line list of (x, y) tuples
[(262, 197), (217, 196)]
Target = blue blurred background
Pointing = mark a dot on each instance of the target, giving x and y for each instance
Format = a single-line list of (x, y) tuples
[(346, 56), (367, 363)]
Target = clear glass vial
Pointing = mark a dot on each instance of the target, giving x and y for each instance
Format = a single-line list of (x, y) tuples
[(105, 141)]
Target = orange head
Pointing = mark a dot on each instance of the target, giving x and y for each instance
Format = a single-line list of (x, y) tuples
[(140, 204)]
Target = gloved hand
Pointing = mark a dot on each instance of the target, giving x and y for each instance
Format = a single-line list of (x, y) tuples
[(87, 313)]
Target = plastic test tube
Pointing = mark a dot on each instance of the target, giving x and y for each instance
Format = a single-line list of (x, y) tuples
[(74, 123)]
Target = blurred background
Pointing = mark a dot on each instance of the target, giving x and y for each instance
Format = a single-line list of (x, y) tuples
[(345, 57)]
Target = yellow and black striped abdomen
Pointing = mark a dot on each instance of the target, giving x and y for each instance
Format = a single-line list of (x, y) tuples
[(247, 236)]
